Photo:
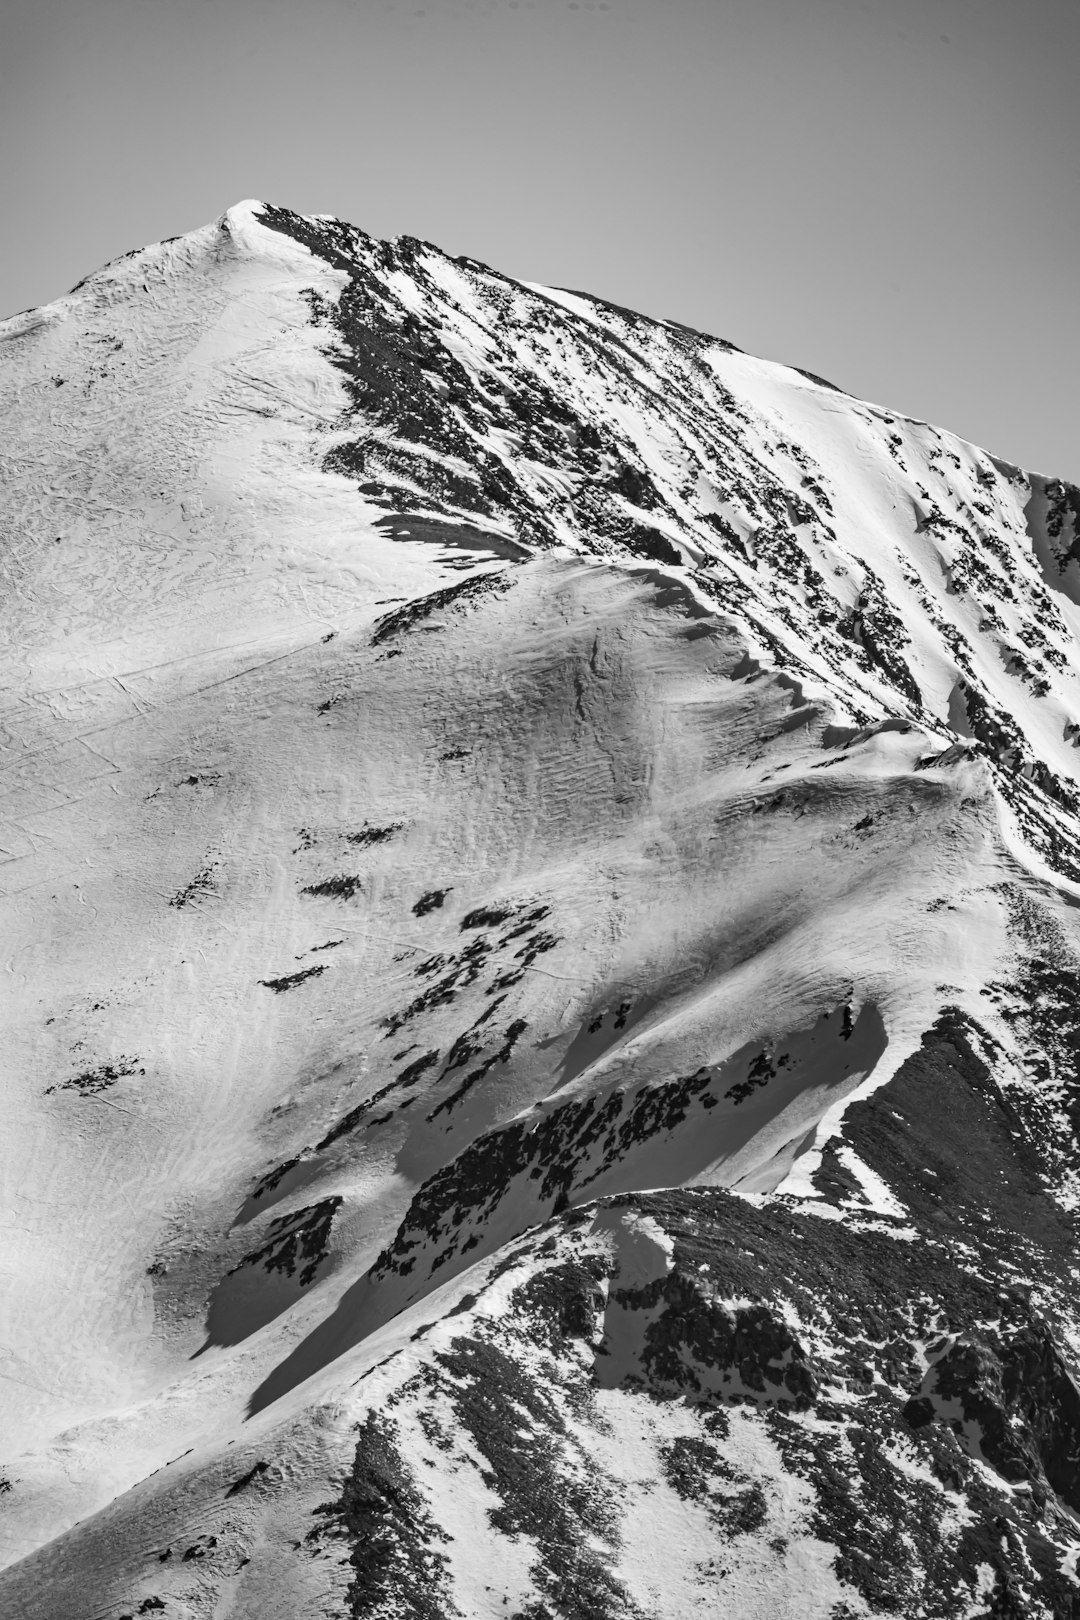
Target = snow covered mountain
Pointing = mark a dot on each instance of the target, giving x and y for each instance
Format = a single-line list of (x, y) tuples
[(540, 860)]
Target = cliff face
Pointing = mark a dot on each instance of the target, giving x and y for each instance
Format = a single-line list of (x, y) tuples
[(541, 857)]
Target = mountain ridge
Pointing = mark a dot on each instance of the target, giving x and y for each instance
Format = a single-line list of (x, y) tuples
[(498, 787)]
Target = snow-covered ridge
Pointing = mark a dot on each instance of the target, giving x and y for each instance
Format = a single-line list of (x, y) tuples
[(470, 751), (887, 563)]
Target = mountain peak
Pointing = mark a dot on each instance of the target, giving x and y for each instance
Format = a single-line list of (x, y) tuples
[(540, 857)]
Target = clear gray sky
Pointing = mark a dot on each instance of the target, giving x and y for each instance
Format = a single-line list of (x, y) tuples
[(882, 191)]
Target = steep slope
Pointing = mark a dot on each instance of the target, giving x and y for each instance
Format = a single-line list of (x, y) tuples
[(541, 858)]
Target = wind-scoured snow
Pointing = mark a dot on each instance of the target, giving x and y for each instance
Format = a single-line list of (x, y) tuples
[(499, 797)]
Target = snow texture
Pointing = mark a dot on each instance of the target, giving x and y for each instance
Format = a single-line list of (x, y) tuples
[(539, 858)]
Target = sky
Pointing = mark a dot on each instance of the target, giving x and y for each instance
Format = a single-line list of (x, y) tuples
[(884, 192)]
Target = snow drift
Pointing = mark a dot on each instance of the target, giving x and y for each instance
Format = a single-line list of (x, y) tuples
[(540, 857)]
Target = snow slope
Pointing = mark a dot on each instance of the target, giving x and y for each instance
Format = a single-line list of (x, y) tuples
[(475, 758)]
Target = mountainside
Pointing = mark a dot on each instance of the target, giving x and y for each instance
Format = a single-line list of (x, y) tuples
[(540, 859)]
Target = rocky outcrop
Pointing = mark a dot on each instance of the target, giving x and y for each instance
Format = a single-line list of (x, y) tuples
[(1015, 1404), (701, 1345)]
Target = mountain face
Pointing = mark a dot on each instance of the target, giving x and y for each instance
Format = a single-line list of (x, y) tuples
[(541, 859)]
